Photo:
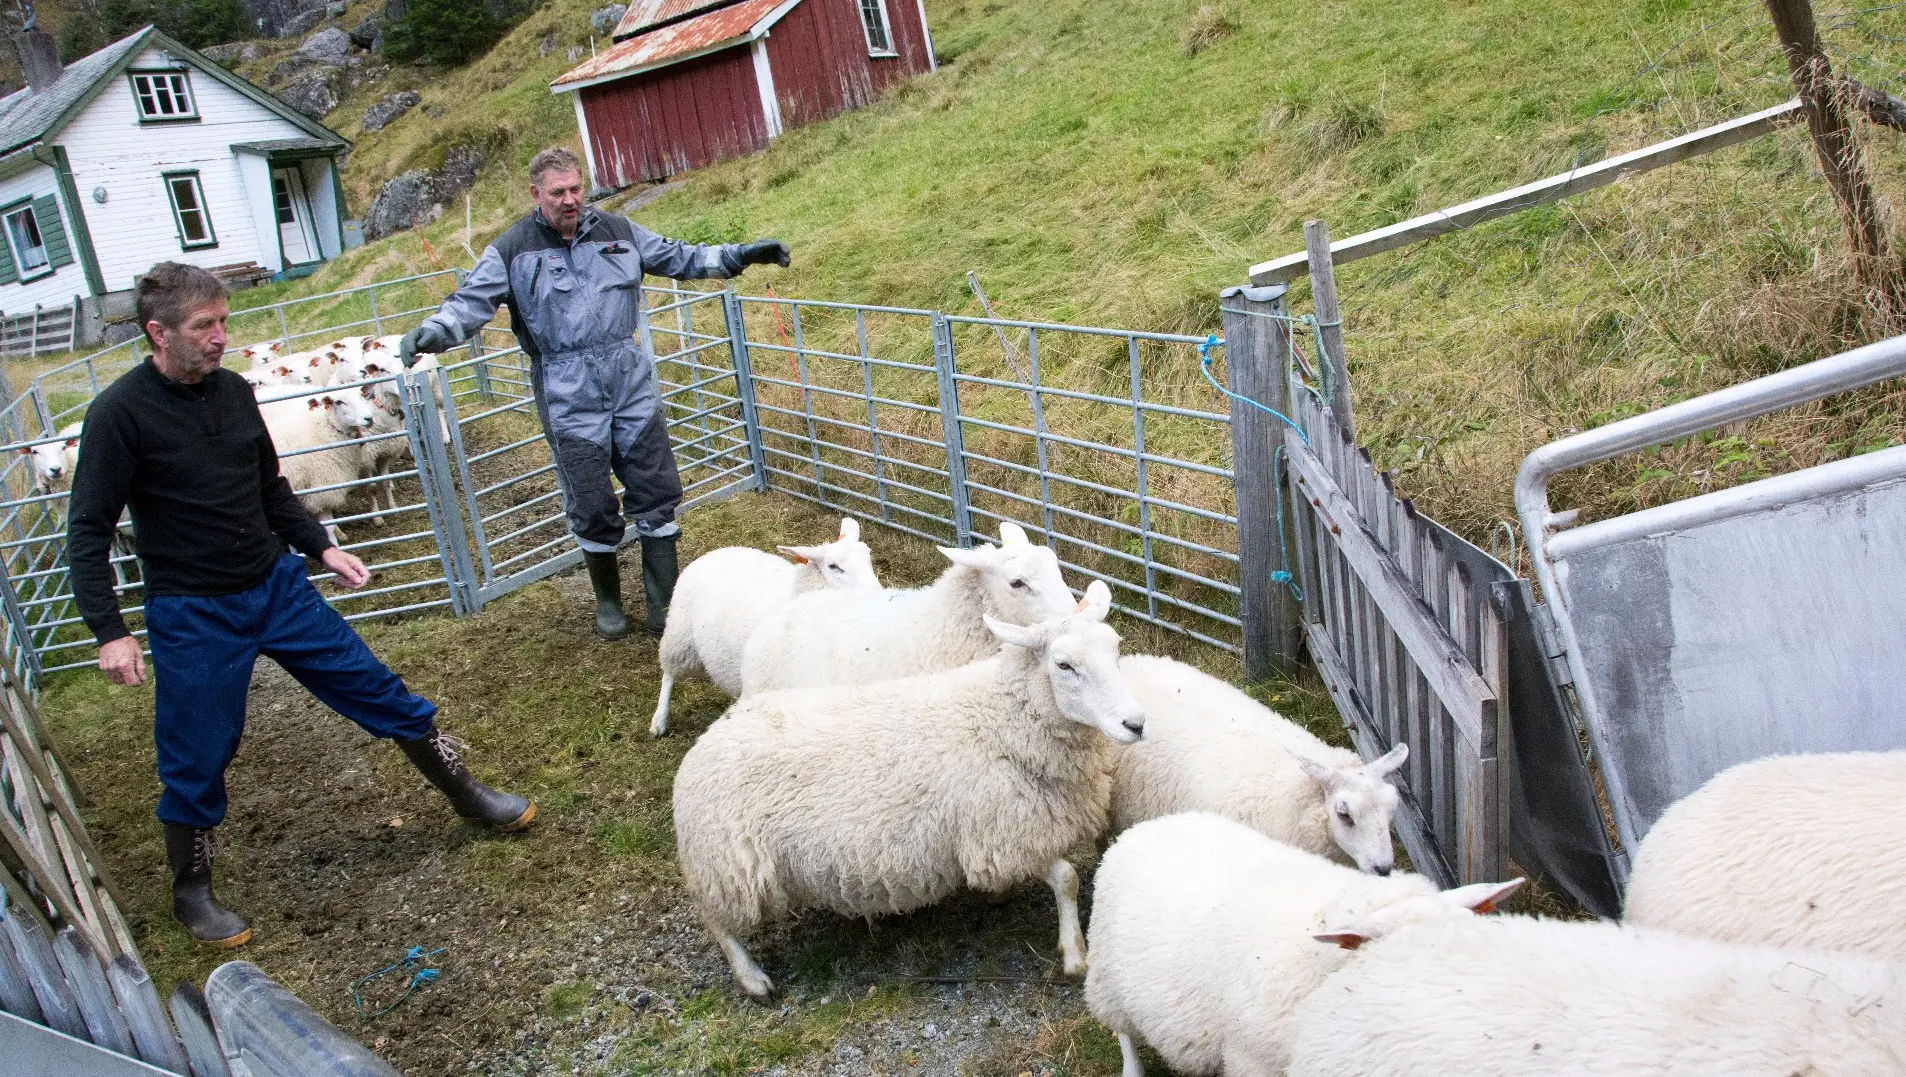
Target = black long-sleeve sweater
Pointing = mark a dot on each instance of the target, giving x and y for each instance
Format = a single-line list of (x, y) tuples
[(194, 463)]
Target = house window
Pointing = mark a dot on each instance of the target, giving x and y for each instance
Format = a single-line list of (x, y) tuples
[(188, 210), (873, 16), (23, 237), (164, 95)]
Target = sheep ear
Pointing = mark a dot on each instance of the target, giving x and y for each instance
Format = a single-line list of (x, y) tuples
[(1389, 762), (1097, 601), (1030, 638), (72, 443), (28, 451), (1011, 534), (1347, 938), (313, 403), (977, 558), (1322, 773), (1482, 898), (849, 529), (806, 555)]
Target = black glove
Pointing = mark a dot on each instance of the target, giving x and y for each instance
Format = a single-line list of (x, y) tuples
[(762, 252), (425, 338)]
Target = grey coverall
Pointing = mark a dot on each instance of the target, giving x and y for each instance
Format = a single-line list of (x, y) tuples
[(573, 307)]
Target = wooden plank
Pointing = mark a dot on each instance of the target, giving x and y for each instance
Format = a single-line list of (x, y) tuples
[(1323, 299), (19, 721), (139, 1002), (1441, 661), (16, 989), (1574, 181), (1410, 825), (194, 1020), (55, 996), (1256, 356), (105, 1025)]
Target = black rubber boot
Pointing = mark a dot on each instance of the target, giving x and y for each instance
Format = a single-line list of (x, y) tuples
[(605, 578), (658, 582), (189, 852), (436, 756)]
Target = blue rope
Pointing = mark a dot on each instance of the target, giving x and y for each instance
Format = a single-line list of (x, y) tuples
[(1282, 575), (413, 957), (1204, 364)]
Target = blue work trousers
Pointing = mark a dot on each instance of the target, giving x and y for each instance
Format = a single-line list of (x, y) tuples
[(602, 412), (203, 649)]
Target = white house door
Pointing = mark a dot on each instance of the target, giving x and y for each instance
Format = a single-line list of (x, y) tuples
[(295, 232)]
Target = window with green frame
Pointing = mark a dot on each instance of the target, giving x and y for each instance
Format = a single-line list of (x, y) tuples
[(189, 214)]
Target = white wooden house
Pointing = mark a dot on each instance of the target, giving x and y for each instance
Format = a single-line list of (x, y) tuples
[(144, 152)]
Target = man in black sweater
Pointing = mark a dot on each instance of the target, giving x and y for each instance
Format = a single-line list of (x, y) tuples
[(180, 442)]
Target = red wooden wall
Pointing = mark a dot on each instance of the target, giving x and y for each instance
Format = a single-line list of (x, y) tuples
[(700, 111), (818, 52), (681, 117)]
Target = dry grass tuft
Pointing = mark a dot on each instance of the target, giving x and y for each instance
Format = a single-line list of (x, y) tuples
[(1209, 25)]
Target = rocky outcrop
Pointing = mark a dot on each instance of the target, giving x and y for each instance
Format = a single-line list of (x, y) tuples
[(604, 19), (313, 91), (420, 196), (329, 45), (385, 111)]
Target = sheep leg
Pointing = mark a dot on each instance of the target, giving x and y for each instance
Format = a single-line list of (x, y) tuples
[(658, 725), (390, 497), (1065, 888), (1129, 1052), (747, 973)]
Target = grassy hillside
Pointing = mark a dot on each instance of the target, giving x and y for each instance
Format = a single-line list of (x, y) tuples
[(1119, 163)]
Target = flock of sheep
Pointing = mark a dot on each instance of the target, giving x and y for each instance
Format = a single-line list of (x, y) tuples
[(890, 747), (358, 415)]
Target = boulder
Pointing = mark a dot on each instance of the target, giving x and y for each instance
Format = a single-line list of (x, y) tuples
[(301, 22), (385, 111), (367, 33), (419, 196), (329, 44), (404, 201), (335, 9), (604, 20), (223, 55), (313, 92)]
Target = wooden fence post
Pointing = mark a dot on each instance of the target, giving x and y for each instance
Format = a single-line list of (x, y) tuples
[(1257, 357), (1323, 298), (1841, 161)]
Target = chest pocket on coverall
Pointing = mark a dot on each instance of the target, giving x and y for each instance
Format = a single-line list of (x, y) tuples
[(622, 267)]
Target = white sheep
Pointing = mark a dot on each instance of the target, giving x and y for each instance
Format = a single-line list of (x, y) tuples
[(877, 799), (1209, 747), (1202, 943), (852, 637), (268, 353), (1805, 851), (53, 462), (1513, 995), (723, 594), (310, 423)]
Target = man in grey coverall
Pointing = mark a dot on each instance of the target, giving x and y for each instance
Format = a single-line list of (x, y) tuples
[(572, 278)]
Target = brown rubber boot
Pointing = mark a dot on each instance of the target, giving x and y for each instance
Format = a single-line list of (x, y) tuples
[(189, 851)]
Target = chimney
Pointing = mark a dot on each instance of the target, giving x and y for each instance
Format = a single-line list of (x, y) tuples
[(39, 57)]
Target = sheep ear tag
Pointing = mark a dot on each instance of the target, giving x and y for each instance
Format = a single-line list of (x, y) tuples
[(1343, 940)]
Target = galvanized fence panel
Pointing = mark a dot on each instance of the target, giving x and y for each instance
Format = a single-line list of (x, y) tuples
[(920, 420), (1763, 619)]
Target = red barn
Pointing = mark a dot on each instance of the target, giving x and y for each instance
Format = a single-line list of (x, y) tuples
[(690, 82)]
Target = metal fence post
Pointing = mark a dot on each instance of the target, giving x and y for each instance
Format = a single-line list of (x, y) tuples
[(33, 670), (744, 383), (377, 322), (440, 499), (950, 429), (284, 327), (1256, 353), (482, 368)]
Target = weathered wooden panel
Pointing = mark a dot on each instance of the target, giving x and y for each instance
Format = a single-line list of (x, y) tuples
[(681, 117), (818, 53)]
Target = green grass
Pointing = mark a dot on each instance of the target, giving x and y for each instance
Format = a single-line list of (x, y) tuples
[(1118, 164)]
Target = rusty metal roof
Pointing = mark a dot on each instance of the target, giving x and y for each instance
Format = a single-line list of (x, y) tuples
[(675, 42), (643, 14)]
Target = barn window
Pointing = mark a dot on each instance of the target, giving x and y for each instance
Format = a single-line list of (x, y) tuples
[(188, 210), (27, 247), (873, 16), (164, 95)]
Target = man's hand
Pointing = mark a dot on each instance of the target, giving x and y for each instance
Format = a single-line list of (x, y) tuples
[(763, 252), (123, 661), (351, 572), (425, 338)]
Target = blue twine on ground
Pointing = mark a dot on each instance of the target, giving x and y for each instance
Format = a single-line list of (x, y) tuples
[(1282, 575), (412, 958)]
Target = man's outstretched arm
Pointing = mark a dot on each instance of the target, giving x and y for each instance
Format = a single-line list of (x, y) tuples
[(697, 261)]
